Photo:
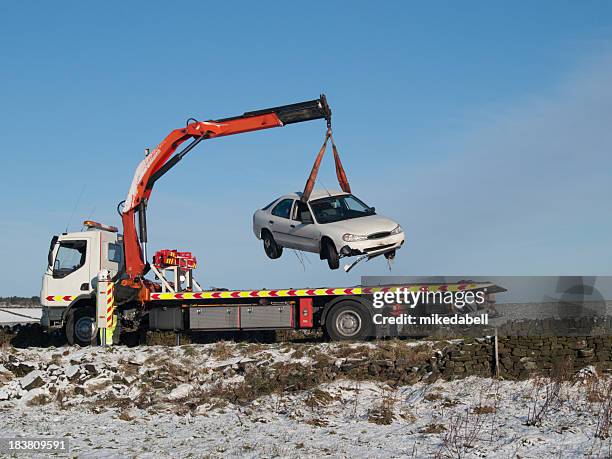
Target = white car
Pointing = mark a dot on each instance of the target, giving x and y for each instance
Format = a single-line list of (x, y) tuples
[(333, 224)]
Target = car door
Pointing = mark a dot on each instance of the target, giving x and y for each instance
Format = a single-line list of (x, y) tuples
[(280, 222), (303, 232)]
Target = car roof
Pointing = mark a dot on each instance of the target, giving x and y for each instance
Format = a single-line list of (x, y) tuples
[(316, 194)]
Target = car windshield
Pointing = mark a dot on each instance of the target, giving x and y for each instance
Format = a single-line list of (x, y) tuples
[(338, 208)]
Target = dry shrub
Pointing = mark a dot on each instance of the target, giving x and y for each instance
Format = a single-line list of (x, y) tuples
[(254, 348), (562, 369), (317, 422), (222, 350), (38, 400), (319, 397), (346, 350), (433, 428), (550, 401), (125, 415), (190, 350), (485, 409), (407, 415), (383, 413), (433, 396), (597, 388), (401, 350), (604, 415), (449, 402), (262, 381), (461, 435)]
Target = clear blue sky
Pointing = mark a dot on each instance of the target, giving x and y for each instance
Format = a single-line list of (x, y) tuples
[(483, 127)]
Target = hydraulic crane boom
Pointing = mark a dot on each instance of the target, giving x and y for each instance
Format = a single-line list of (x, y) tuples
[(162, 159)]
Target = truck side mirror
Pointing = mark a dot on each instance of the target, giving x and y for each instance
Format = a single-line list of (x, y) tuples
[(51, 247), (305, 217)]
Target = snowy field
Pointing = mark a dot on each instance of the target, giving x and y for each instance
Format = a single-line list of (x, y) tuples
[(205, 401), (14, 315)]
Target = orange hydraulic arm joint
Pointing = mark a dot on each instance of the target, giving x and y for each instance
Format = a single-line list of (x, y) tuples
[(162, 159)]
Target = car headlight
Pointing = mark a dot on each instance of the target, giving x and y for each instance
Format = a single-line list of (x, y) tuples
[(397, 230), (348, 237)]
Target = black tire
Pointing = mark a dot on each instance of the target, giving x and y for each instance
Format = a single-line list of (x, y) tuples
[(348, 321), (329, 252), (79, 321), (272, 249)]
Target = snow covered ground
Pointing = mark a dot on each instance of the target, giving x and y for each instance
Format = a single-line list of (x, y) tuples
[(19, 315), (192, 401)]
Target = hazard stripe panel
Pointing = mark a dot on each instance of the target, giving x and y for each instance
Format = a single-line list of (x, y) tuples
[(64, 298), (211, 295)]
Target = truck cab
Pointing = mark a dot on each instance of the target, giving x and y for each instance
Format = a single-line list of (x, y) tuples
[(73, 263)]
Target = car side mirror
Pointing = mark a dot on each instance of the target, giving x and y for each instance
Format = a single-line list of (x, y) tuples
[(372, 209), (305, 217)]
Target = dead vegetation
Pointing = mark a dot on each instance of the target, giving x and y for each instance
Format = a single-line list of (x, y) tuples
[(222, 351), (318, 398), (433, 428), (461, 434), (486, 409), (548, 396), (599, 394), (384, 412)]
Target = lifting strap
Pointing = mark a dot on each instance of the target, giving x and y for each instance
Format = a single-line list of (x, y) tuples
[(342, 180)]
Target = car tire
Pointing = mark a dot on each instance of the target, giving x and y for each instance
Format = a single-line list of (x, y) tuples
[(272, 249), (331, 254), (348, 321), (81, 326)]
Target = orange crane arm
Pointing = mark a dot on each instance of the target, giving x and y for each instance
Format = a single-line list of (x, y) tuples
[(163, 158)]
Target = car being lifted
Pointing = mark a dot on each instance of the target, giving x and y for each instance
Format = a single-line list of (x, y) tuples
[(333, 224)]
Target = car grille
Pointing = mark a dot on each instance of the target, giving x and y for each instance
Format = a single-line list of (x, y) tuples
[(379, 235), (378, 247)]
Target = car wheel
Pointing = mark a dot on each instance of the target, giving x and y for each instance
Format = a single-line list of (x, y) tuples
[(348, 320), (272, 249), (81, 326), (331, 254)]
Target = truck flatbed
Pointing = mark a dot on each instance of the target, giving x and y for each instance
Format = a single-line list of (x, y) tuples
[(320, 291)]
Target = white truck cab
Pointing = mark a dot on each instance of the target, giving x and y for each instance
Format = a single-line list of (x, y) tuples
[(74, 261)]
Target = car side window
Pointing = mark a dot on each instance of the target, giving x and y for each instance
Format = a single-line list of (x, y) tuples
[(283, 208), (70, 256), (299, 209)]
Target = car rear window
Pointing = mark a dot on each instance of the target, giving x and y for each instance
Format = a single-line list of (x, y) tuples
[(268, 206)]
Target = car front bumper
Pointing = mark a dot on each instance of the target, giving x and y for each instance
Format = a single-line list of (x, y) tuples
[(372, 247)]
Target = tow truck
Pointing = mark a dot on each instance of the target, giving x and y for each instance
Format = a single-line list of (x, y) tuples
[(174, 300)]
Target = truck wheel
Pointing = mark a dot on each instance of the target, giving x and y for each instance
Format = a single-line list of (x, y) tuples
[(81, 326), (330, 252), (348, 320), (273, 250)]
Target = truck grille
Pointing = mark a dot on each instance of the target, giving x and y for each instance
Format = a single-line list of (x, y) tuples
[(379, 235)]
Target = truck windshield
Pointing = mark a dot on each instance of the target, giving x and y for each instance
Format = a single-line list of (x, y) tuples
[(338, 208)]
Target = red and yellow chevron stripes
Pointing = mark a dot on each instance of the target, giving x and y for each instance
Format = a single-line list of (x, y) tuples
[(110, 305), (211, 295), (62, 298)]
